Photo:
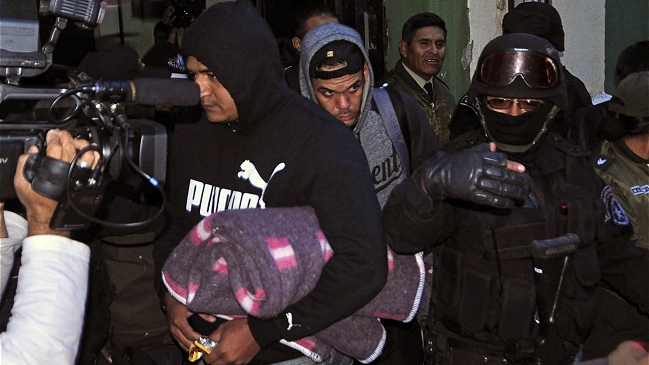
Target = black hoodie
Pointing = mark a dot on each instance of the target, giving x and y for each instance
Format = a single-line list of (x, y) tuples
[(284, 150)]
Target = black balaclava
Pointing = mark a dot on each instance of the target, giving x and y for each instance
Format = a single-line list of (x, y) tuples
[(516, 133)]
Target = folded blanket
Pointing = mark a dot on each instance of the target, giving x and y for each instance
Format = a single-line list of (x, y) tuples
[(258, 261)]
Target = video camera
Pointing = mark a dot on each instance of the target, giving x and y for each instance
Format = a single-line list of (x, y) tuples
[(94, 110), (186, 11)]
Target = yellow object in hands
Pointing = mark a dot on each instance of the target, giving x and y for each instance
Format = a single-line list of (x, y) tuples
[(200, 346)]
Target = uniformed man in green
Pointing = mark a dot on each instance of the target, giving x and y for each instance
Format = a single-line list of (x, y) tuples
[(423, 49)]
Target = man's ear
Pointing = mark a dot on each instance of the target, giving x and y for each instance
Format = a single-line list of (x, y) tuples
[(366, 72), (297, 43), (403, 48)]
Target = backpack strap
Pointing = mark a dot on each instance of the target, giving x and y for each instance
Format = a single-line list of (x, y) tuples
[(389, 118)]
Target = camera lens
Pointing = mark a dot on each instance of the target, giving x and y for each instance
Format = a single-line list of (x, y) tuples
[(185, 12)]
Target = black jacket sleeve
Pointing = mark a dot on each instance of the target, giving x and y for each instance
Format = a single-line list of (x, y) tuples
[(165, 244), (424, 142), (465, 118), (413, 221)]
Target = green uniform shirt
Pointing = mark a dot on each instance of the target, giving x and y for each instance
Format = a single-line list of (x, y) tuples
[(438, 112), (628, 176)]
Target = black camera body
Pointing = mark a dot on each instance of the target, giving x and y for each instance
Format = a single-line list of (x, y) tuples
[(97, 113), (186, 11), (147, 148), (79, 190)]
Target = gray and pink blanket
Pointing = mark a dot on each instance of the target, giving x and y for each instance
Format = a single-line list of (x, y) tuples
[(258, 261)]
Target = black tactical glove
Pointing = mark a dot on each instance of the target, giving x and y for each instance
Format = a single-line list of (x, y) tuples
[(476, 175)]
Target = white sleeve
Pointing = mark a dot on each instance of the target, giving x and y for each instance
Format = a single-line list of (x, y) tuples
[(17, 229), (47, 316)]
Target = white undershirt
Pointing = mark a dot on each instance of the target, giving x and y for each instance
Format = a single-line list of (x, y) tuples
[(418, 79)]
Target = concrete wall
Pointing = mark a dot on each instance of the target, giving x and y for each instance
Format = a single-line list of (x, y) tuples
[(485, 17), (584, 25)]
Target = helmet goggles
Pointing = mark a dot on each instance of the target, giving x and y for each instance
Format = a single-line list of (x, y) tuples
[(537, 70)]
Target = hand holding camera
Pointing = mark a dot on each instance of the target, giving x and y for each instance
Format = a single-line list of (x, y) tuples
[(59, 146)]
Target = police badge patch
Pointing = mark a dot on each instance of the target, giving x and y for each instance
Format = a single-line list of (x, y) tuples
[(613, 208)]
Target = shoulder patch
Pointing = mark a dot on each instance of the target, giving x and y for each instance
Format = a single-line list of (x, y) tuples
[(473, 105), (602, 162), (614, 210), (640, 189)]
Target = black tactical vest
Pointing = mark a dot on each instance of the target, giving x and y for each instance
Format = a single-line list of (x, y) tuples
[(484, 292)]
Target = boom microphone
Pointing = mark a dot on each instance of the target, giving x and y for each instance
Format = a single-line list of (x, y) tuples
[(150, 91)]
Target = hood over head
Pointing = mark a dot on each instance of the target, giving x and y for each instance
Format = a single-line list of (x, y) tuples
[(539, 19), (321, 36), (238, 46)]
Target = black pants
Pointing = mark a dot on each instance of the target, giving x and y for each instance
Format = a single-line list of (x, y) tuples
[(403, 344)]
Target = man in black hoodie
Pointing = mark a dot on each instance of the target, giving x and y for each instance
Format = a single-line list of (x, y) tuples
[(260, 145)]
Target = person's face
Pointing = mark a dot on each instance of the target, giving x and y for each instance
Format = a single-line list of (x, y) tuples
[(312, 22), (215, 98), (513, 107), (426, 52), (342, 97)]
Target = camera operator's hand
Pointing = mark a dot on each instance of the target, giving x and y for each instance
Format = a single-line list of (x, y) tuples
[(168, 16), (168, 19), (479, 174), (59, 145)]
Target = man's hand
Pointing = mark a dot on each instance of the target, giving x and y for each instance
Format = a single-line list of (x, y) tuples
[(168, 19), (59, 145), (168, 16), (177, 315), (479, 174), (236, 346)]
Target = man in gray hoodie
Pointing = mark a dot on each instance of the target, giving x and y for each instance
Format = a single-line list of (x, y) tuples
[(336, 73)]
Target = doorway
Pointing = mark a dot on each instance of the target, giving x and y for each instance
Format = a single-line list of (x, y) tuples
[(366, 16)]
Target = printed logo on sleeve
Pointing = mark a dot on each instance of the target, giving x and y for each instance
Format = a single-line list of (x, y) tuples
[(614, 210), (640, 189)]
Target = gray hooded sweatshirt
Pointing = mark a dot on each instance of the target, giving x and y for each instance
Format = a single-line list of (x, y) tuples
[(386, 168)]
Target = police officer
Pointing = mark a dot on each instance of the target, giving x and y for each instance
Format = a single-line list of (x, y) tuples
[(543, 20), (515, 268)]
